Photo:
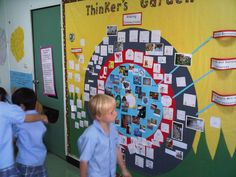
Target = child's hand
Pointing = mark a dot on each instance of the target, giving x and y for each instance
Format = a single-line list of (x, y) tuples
[(44, 118)]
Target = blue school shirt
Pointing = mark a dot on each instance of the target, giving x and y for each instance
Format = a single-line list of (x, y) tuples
[(29, 140), (9, 115), (99, 150)]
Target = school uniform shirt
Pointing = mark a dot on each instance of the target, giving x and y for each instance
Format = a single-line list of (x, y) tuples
[(99, 150), (9, 115), (29, 140)]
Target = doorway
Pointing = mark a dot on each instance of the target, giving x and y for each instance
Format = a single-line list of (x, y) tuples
[(46, 31)]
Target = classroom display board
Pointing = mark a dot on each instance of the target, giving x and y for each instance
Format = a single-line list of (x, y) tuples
[(170, 65)]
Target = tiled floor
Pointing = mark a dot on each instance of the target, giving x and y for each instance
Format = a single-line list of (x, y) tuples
[(58, 167)]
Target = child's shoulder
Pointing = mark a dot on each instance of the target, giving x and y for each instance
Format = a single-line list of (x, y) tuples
[(91, 130), (9, 107), (91, 133)]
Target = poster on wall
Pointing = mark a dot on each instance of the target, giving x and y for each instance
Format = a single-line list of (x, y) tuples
[(20, 79), (151, 68), (47, 70)]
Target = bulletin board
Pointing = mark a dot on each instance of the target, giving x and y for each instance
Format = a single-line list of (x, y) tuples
[(170, 65)]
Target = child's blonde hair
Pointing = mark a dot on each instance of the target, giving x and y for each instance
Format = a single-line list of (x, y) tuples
[(100, 104)]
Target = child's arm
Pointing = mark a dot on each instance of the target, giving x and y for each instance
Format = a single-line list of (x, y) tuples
[(36, 117), (121, 163), (83, 168)]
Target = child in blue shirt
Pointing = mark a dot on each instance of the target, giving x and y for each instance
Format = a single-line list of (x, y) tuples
[(10, 115), (29, 137), (99, 144)]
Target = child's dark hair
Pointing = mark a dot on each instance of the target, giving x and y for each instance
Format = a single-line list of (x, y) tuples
[(3, 94), (24, 96)]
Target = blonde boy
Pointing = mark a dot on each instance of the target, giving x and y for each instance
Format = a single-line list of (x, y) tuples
[(99, 144)]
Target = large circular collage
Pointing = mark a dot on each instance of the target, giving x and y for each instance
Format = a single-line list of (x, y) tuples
[(142, 77)]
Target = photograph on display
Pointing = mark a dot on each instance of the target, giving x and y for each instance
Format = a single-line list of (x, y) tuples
[(154, 49), (157, 111), (147, 81), (141, 95), (118, 46), (147, 62), (179, 154), (125, 120), (149, 125), (122, 70), (115, 79), (169, 143), (125, 85), (153, 106), (182, 59), (125, 104), (111, 30), (142, 128), (153, 95), (137, 80), (145, 100), (138, 89), (141, 111), (117, 122), (136, 120), (194, 123), (177, 131)]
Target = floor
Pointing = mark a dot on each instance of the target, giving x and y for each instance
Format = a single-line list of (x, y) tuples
[(58, 167)]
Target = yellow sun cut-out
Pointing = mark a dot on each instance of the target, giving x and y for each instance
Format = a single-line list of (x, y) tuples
[(17, 43)]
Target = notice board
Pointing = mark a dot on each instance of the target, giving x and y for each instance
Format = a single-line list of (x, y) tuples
[(170, 65)]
